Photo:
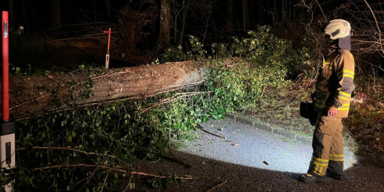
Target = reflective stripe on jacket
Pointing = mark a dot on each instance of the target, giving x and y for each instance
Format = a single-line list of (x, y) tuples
[(335, 83)]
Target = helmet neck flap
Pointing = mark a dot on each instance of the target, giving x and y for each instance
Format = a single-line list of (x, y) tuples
[(344, 43)]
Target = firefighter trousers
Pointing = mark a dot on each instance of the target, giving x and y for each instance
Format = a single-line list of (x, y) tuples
[(327, 147)]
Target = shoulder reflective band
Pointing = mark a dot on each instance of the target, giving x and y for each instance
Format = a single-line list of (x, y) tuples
[(5, 30)]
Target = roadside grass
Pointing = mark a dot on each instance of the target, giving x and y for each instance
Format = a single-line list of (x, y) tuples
[(363, 129)]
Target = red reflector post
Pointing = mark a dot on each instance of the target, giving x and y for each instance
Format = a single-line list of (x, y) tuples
[(5, 63)]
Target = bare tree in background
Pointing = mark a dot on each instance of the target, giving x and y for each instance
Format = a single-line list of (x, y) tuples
[(260, 9), (183, 10), (246, 15), (11, 14), (55, 15), (109, 8), (165, 22), (229, 15), (284, 11)]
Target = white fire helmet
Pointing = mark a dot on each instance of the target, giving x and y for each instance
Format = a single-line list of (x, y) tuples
[(338, 28)]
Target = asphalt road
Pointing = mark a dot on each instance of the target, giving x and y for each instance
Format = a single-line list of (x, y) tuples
[(254, 160), (247, 146)]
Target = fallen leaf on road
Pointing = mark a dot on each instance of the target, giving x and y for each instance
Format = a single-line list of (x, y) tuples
[(236, 144), (353, 163), (199, 144), (266, 162)]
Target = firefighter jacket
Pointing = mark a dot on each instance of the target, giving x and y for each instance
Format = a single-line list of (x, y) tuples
[(335, 84)]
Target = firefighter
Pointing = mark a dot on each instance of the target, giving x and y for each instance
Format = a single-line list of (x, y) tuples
[(332, 98)]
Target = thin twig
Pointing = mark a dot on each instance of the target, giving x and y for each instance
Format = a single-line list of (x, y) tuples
[(93, 173), (129, 183), (189, 94), (377, 25), (119, 170), (105, 180), (321, 10), (217, 186), (200, 127), (68, 149)]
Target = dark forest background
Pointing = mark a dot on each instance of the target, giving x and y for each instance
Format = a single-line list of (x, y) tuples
[(142, 29)]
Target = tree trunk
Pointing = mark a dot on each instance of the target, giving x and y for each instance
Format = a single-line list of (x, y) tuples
[(260, 11), (55, 15), (246, 15), (36, 95), (165, 22), (23, 19), (109, 8), (229, 15), (11, 15), (185, 12), (283, 11)]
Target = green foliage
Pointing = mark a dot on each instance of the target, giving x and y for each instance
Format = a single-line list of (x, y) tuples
[(81, 148), (196, 47), (117, 129), (265, 61), (173, 55), (160, 184)]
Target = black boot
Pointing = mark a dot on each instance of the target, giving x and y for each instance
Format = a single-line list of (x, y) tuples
[(306, 178), (336, 176)]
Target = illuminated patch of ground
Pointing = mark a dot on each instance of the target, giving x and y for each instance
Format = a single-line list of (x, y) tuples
[(249, 146)]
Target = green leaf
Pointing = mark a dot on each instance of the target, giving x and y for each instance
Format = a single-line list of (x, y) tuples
[(131, 186)]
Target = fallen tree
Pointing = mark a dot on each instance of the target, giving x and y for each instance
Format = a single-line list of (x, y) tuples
[(36, 95)]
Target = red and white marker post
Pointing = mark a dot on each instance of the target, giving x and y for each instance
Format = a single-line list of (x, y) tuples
[(7, 132), (107, 55)]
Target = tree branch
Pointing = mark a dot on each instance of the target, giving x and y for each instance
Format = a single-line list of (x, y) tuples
[(217, 186), (377, 25), (68, 149), (119, 170)]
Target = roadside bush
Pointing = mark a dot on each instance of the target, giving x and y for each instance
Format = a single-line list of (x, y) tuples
[(265, 61)]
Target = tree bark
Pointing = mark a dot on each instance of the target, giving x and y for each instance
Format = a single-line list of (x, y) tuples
[(229, 15), (109, 8), (23, 19), (184, 22), (246, 15), (36, 95), (55, 15), (11, 15), (165, 22), (283, 11), (260, 11)]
